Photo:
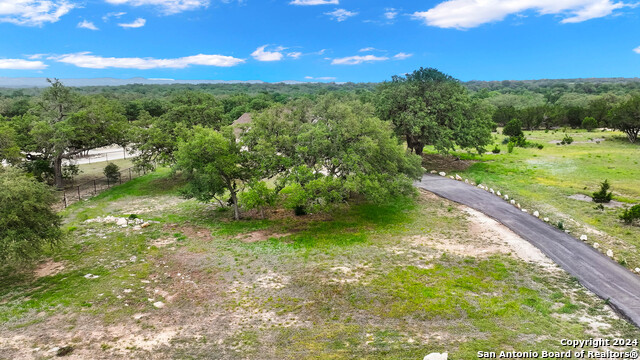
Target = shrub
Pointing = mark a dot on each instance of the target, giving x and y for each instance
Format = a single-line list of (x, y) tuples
[(519, 141), (540, 146), (27, 221), (631, 214), (496, 150), (259, 196), (510, 147), (112, 172), (603, 196), (566, 140), (513, 128), (589, 123)]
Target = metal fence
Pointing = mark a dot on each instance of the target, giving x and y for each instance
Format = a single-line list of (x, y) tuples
[(92, 188)]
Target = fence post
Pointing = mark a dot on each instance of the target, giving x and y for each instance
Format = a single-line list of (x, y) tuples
[(107, 183), (120, 178), (79, 193), (129, 174), (64, 196)]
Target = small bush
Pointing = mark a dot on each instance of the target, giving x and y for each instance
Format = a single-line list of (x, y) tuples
[(567, 140), (540, 146), (519, 141), (510, 147), (496, 150), (589, 123), (631, 214), (560, 225), (112, 172), (603, 195)]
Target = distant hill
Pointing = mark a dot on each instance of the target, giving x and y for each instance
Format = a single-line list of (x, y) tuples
[(28, 82)]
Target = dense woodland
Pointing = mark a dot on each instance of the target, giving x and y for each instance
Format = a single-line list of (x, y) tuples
[(307, 148)]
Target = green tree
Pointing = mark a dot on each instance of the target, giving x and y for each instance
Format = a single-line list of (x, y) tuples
[(9, 150), (589, 123), (156, 138), (214, 165), (112, 172), (324, 153), (27, 221), (513, 128), (428, 107), (626, 117), (69, 125)]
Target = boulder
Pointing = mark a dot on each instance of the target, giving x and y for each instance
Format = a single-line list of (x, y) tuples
[(610, 253), (546, 219), (466, 181), (122, 222), (638, 270), (536, 213), (433, 172), (492, 191), (506, 197), (144, 225), (442, 173), (596, 245), (458, 177), (498, 193), (583, 237), (513, 202)]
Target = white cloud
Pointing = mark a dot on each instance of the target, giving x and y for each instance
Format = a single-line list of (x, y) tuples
[(314, 2), (637, 50), (168, 7), (19, 64), (390, 13), (355, 60), (341, 14), (33, 12), (116, 15), (137, 23), (87, 25), (261, 55), (367, 49), (402, 56), (87, 60), (295, 54), (464, 14)]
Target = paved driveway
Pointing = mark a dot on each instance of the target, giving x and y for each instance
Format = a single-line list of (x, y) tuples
[(594, 270)]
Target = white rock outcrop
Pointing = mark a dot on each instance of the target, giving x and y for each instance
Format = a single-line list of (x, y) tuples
[(437, 356)]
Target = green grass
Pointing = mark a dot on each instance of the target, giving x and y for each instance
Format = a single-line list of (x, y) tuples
[(543, 179), (357, 285)]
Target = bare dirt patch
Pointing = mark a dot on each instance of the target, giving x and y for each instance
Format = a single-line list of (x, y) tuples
[(487, 229), (48, 268), (260, 235), (445, 162), (192, 232), (586, 198)]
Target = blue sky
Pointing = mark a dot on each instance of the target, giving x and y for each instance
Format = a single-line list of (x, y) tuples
[(318, 40)]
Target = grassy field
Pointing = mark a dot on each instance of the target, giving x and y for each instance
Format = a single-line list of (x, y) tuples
[(544, 179), (369, 282)]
